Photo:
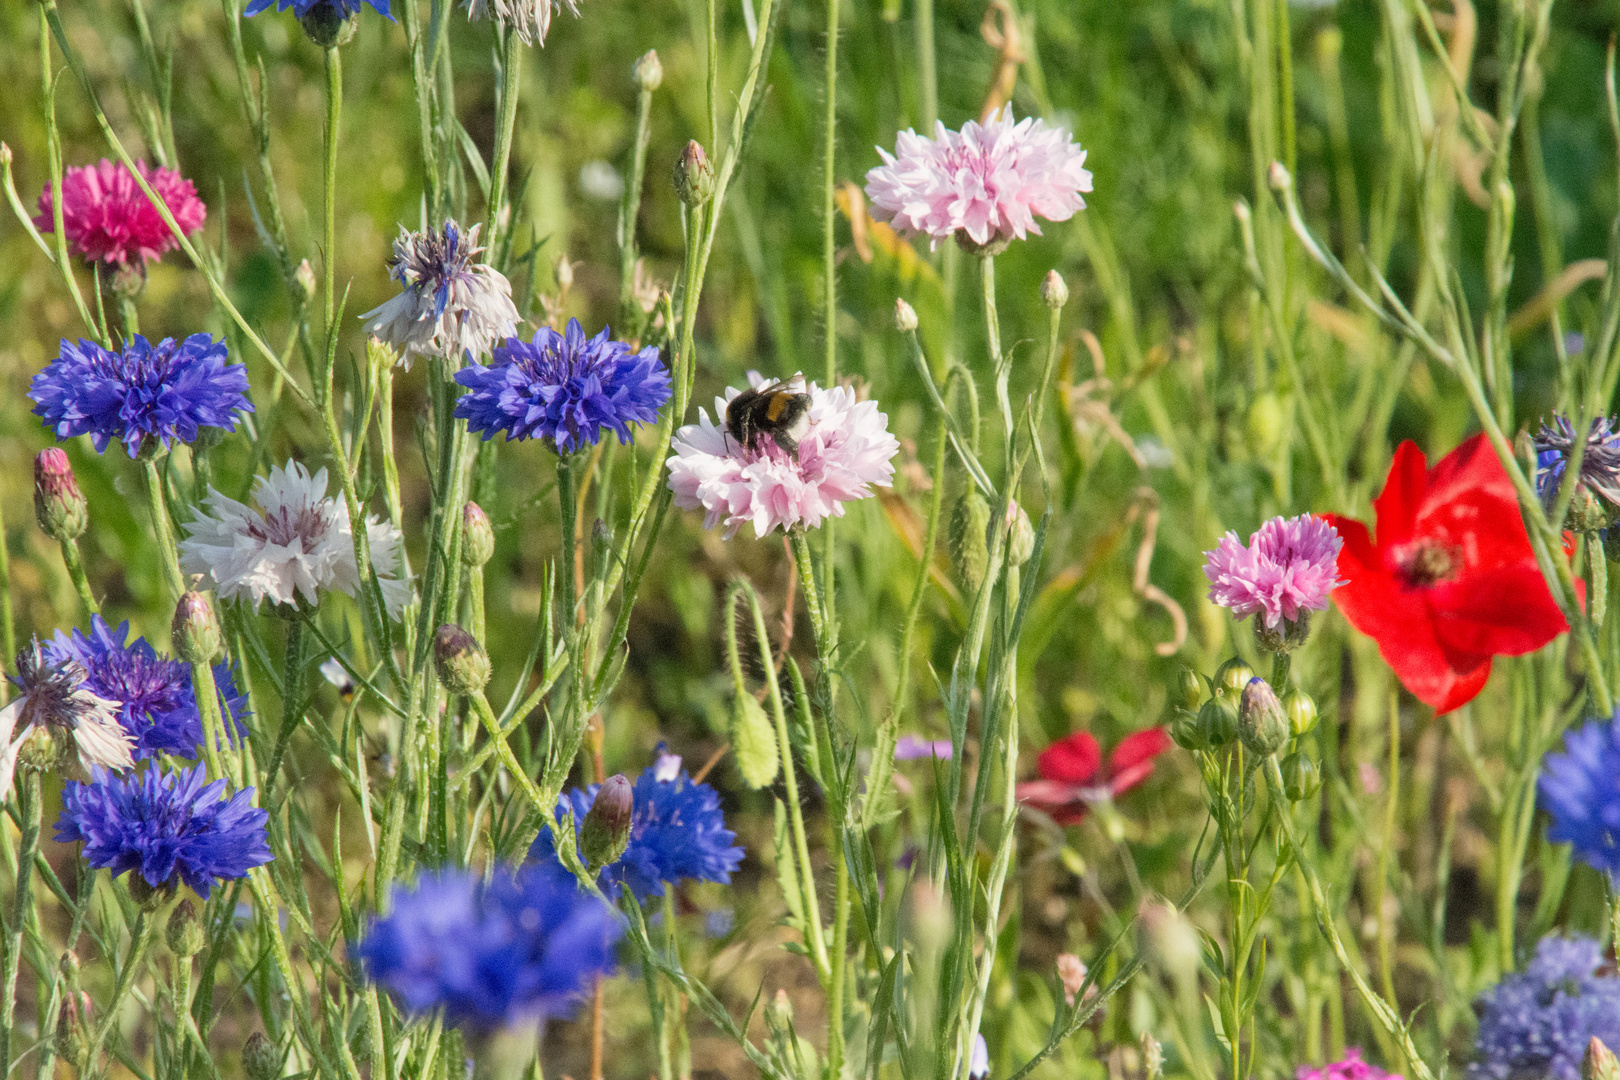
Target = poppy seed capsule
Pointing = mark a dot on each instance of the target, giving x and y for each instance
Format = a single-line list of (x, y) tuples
[(59, 505), (1261, 723), (195, 629), (694, 176), (462, 663), (478, 538), (606, 829)]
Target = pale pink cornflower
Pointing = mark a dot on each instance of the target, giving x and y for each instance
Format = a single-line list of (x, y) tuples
[(1072, 970), (297, 542), (983, 185), (1351, 1067), (846, 450), (1287, 570), (107, 218)]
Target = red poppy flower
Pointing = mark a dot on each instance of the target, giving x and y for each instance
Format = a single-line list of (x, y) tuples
[(1073, 775), (1452, 580)]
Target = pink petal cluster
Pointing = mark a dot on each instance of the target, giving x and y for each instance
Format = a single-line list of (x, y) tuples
[(987, 183), (1290, 566), (108, 218), (1350, 1068), (847, 451)]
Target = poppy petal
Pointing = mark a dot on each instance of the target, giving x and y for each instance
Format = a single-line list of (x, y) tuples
[(1073, 760), (1398, 505), (1132, 760), (1503, 612)]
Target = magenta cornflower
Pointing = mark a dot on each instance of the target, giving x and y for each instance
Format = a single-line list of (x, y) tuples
[(107, 218), (984, 185), (846, 451), (1351, 1067), (1285, 573)]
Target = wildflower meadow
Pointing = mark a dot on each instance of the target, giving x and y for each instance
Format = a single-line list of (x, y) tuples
[(809, 539)]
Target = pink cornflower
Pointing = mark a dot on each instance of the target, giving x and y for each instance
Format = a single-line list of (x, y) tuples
[(108, 218), (1350, 1068), (1285, 573), (983, 185), (846, 450)]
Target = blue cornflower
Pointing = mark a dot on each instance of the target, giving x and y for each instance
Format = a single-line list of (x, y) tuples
[(343, 8), (522, 946), (1600, 462), (168, 391), (1538, 1023), (563, 387), (153, 694), (1579, 789), (676, 832), (165, 825)]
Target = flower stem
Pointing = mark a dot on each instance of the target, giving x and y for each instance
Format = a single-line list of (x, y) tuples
[(140, 939), (511, 80), (334, 107), (8, 628), (291, 702), (29, 804), (213, 721), (163, 529)]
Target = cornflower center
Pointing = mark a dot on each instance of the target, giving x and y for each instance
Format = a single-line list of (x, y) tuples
[(305, 526)]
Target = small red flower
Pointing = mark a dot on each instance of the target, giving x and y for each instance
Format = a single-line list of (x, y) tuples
[(1452, 580), (1073, 776)]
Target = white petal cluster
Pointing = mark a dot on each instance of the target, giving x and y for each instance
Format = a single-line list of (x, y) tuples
[(451, 304), (54, 696), (296, 542), (529, 19)]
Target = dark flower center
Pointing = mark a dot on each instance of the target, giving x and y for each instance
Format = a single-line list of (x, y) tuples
[(1428, 563)]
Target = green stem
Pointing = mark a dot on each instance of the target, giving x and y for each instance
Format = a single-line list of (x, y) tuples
[(928, 80), (291, 702), (520, 776), (334, 108), (8, 628), (213, 721), (163, 528), (630, 207), (140, 939), (29, 804), (131, 318), (1386, 928), (1597, 594), (511, 81), (829, 300)]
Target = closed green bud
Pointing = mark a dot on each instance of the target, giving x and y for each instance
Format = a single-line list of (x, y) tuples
[(184, 934), (970, 554), (1190, 685), (1218, 722), (73, 1030), (1600, 1062), (1186, 731), (905, 316), (1020, 536), (606, 829), (753, 741), (1301, 777), (462, 664), (1054, 290), (477, 537), (1301, 711), (1261, 723), (304, 276), (648, 73), (1588, 512), (68, 965), (694, 176), (59, 505), (1266, 424), (195, 630), (1231, 677), (260, 1058)]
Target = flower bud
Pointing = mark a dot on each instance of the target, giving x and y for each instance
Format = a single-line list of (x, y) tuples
[(753, 741), (462, 663), (1277, 176), (648, 72), (185, 934), (195, 630), (779, 1013), (151, 897), (970, 554), (304, 278), (1301, 777), (694, 176), (328, 26), (563, 273), (69, 965), (1021, 536), (905, 316), (1072, 970), (1266, 424), (1218, 722), (1054, 290), (606, 830), (128, 280), (59, 505), (1262, 725), (5, 154), (73, 1030), (477, 537), (1187, 732), (1301, 711), (1191, 688), (260, 1058), (1152, 1057), (1600, 1062), (1231, 677)]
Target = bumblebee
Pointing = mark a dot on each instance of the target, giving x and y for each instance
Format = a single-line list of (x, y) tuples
[(774, 410)]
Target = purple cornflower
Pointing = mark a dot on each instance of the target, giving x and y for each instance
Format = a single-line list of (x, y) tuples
[(168, 391), (676, 832), (565, 387), (1578, 789), (1286, 572), (452, 303), (910, 748), (54, 695), (165, 825), (152, 695), (343, 8), (524, 946), (1538, 1023), (1350, 1067), (1600, 462)]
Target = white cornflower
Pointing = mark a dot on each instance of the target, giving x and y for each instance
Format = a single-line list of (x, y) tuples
[(451, 304), (54, 696), (297, 542), (529, 19)]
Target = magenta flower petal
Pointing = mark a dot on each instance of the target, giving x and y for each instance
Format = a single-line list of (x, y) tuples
[(107, 218), (1289, 566)]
